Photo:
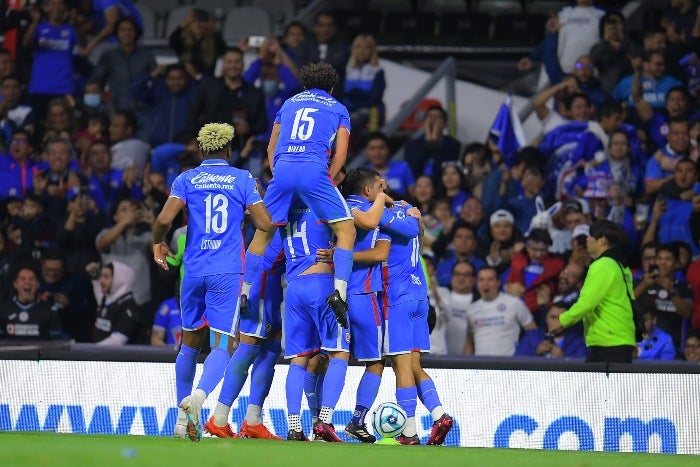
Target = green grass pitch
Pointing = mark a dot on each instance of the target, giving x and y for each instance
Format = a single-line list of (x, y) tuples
[(67, 450)]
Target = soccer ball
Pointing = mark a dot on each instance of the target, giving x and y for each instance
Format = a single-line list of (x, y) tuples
[(389, 420)]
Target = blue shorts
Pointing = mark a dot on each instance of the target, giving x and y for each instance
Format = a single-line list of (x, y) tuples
[(309, 323), (211, 301), (366, 327), (263, 318), (312, 184), (406, 328)]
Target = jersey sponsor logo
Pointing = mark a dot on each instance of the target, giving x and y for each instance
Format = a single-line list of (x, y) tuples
[(205, 177), (210, 244), (416, 280), (501, 307)]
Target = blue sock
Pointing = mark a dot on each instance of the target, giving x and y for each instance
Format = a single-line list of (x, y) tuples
[(214, 367), (406, 398), (237, 372), (366, 394), (294, 388), (253, 263), (262, 373), (185, 367), (310, 380), (320, 379), (428, 394), (342, 262), (334, 382)]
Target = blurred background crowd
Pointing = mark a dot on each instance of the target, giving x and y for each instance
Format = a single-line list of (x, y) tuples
[(96, 122)]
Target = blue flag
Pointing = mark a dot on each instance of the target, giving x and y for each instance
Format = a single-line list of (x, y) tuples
[(507, 132)]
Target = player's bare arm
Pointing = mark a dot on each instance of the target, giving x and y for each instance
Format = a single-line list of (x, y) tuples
[(274, 137), (342, 139), (160, 228), (261, 217)]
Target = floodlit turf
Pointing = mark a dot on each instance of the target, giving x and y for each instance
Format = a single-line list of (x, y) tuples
[(66, 450)]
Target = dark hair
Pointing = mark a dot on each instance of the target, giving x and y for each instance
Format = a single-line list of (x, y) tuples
[(480, 148), (295, 24), (652, 31), (540, 235), (130, 118), (377, 135), (492, 269), (54, 254), (128, 19), (319, 75), (569, 100), (174, 67), (31, 197), (439, 109), (201, 14), (234, 49), (682, 89), (606, 17), (670, 248), (357, 179), (678, 119), (4, 51), (22, 266), (609, 108), (463, 262), (463, 225), (530, 156), (604, 228), (328, 13), (23, 131), (11, 77), (651, 244), (646, 56), (97, 143)]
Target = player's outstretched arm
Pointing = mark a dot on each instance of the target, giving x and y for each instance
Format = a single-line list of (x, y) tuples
[(261, 217)]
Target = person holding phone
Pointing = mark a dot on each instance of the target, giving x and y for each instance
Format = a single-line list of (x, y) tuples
[(550, 343)]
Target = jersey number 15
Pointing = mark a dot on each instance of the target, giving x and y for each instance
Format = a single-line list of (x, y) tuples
[(303, 124)]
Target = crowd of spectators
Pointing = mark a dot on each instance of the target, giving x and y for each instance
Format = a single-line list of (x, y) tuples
[(93, 131)]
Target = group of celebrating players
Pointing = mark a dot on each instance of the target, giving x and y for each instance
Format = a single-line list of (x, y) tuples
[(340, 299)]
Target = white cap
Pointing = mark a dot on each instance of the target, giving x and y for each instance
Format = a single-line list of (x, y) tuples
[(501, 215), (583, 229)]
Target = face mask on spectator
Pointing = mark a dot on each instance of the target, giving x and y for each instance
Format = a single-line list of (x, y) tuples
[(92, 100), (269, 86)]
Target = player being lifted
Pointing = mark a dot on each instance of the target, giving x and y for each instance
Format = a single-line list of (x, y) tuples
[(306, 130), (310, 324), (216, 196)]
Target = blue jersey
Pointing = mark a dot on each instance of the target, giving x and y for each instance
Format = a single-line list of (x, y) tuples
[(53, 59), (124, 7), (168, 319), (309, 122), (405, 271), (216, 196), (301, 238), (365, 278)]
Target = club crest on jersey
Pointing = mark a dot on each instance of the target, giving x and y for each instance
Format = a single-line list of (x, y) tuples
[(400, 215), (501, 308), (24, 316), (347, 337)]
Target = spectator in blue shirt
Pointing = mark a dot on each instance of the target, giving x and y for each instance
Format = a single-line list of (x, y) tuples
[(53, 41), (167, 324), (660, 168), (655, 84), (657, 343), (541, 342), (103, 16), (13, 113), (397, 174)]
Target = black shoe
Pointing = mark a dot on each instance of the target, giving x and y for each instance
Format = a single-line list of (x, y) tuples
[(296, 436), (408, 440), (243, 304), (359, 432), (339, 307)]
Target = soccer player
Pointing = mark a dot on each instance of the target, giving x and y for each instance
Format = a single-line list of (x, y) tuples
[(260, 346), (216, 196), (406, 333), (366, 200), (310, 324), (306, 129)]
